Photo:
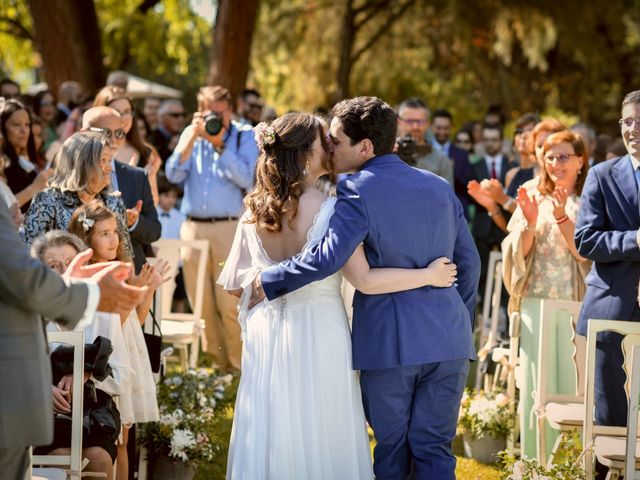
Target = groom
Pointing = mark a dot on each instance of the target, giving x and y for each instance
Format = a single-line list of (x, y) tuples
[(413, 347)]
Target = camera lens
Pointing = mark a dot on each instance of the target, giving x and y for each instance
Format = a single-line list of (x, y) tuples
[(212, 123)]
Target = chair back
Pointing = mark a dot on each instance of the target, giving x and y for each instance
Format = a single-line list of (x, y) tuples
[(173, 251), (631, 333), (74, 460)]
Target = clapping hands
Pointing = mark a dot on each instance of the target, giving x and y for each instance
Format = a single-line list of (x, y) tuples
[(153, 276), (528, 205)]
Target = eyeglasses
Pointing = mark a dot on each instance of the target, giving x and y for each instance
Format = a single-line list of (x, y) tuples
[(176, 114), (560, 158), (629, 122), (413, 121), (119, 133), (46, 103), (254, 106)]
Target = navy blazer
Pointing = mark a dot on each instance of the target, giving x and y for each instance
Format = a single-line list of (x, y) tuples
[(462, 173), (134, 185), (483, 225), (406, 218), (606, 233)]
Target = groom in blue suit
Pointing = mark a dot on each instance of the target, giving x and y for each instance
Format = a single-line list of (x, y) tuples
[(607, 232), (413, 347)]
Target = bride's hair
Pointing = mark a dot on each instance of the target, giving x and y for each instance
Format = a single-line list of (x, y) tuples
[(281, 169)]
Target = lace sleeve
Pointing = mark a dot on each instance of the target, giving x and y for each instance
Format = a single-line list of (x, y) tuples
[(238, 270)]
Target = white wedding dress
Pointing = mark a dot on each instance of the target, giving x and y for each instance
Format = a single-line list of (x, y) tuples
[(298, 413)]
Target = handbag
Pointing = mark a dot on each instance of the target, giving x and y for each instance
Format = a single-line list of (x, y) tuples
[(154, 343)]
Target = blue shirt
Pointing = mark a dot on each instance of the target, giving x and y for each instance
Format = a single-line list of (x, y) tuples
[(214, 183)]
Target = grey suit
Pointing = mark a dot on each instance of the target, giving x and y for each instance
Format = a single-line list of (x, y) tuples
[(28, 289)]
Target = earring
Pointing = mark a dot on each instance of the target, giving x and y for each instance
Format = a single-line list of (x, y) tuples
[(579, 171), (307, 167)]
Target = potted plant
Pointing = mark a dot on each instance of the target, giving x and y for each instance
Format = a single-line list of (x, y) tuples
[(485, 422), (567, 467), (189, 405)]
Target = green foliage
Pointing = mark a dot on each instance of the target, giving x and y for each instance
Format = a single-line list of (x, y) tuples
[(16, 52), (192, 406), (567, 466)]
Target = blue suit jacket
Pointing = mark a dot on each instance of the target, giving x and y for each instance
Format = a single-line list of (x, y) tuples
[(606, 232), (406, 218)]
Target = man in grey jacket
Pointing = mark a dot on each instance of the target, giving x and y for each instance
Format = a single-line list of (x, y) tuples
[(28, 291)]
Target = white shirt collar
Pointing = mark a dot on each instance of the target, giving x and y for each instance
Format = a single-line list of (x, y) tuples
[(635, 163)]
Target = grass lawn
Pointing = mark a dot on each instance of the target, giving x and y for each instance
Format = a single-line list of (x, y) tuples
[(467, 469)]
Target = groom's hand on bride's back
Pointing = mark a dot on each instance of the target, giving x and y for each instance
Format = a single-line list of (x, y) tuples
[(442, 273), (257, 292)]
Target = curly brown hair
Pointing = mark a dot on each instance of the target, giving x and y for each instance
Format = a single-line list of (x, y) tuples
[(281, 168), (96, 211)]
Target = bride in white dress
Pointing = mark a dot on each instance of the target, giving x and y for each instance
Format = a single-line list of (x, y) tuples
[(298, 413)]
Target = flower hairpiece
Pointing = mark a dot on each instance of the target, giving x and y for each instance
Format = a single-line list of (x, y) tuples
[(264, 134), (87, 223)]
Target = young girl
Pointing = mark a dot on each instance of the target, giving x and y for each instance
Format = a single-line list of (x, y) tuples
[(97, 227)]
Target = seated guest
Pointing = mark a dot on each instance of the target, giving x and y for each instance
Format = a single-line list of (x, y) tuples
[(82, 173), (540, 259), (56, 249)]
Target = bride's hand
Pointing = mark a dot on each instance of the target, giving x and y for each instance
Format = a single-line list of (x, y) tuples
[(441, 272)]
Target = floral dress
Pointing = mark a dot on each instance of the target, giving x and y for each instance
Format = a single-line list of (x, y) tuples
[(52, 209)]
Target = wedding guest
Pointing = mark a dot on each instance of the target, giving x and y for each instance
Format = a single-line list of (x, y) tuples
[(25, 175), (9, 89), (82, 173), (56, 249), (463, 140), (150, 112), (216, 171), (134, 151), (69, 97), (170, 123), (540, 259), (607, 234), (132, 182), (96, 225), (170, 217), (44, 106)]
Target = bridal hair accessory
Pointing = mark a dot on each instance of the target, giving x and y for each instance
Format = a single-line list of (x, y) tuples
[(265, 135), (87, 223)]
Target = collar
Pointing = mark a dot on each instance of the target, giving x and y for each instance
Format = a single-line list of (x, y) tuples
[(635, 163)]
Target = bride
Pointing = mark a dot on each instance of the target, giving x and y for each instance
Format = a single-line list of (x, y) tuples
[(298, 412)]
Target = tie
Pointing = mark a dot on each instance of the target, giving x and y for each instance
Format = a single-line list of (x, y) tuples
[(637, 172), (493, 168), (164, 214)]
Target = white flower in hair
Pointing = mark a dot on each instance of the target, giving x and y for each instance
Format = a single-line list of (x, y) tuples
[(87, 223), (264, 134)]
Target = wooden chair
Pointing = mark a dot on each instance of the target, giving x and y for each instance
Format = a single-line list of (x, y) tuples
[(563, 412), (608, 443), (74, 460), (183, 330)]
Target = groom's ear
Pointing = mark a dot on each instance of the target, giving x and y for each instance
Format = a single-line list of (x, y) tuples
[(366, 148)]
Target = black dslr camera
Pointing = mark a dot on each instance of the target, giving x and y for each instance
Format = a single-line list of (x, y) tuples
[(409, 151), (212, 123)]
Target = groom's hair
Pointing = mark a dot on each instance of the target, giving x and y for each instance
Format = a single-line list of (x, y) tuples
[(368, 117)]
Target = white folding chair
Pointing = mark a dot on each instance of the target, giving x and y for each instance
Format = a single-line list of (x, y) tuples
[(563, 412), (608, 443), (183, 330), (74, 460)]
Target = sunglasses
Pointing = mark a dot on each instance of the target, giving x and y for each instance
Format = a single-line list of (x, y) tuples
[(176, 114), (109, 134)]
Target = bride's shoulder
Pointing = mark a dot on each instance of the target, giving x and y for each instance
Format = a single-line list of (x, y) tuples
[(310, 203)]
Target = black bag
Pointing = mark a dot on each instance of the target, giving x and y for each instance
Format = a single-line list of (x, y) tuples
[(154, 343)]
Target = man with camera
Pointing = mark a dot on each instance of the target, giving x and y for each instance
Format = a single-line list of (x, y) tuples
[(215, 162), (412, 145)]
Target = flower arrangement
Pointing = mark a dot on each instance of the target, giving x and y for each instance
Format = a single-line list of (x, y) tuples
[(485, 414), (264, 135), (189, 405), (568, 467)]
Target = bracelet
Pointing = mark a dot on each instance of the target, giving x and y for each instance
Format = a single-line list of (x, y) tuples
[(507, 205), (530, 227), (495, 213), (562, 219)]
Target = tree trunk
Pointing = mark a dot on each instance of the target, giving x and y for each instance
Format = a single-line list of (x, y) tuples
[(347, 36), (233, 33), (67, 36)]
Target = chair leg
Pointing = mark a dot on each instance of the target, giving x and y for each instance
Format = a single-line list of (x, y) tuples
[(554, 450), (541, 437), (195, 347), (183, 353)]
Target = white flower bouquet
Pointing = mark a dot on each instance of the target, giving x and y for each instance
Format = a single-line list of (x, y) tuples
[(482, 414), (189, 406)]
